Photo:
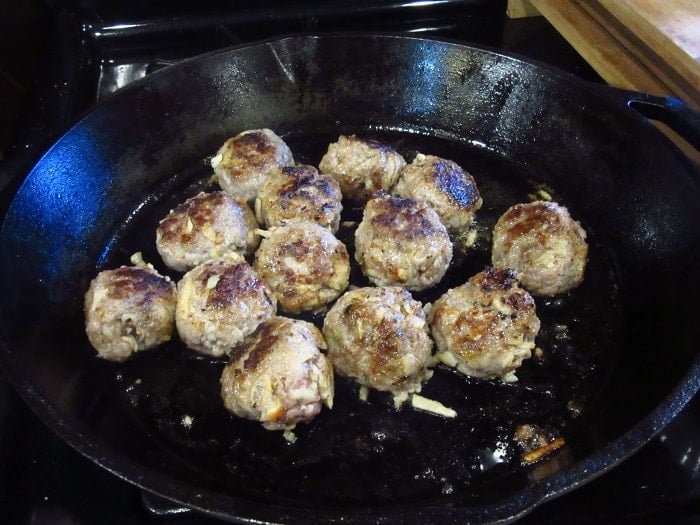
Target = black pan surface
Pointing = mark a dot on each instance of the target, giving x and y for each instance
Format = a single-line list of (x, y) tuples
[(620, 353)]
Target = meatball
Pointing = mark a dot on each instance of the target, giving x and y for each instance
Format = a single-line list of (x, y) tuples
[(450, 190), (220, 302), (204, 227), (402, 242), (278, 376), (304, 264), (129, 309), (486, 327), (295, 193), (243, 162), (379, 337), (361, 167), (545, 246)]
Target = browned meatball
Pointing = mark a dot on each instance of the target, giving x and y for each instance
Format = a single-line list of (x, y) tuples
[(361, 167), (450, 190), (545, 246), (278, 375), (304, 264), (243, 162), (220, 302), (204, 227), (486, 327), (299, 193), (129, 309), (402, 242), (379, 337)]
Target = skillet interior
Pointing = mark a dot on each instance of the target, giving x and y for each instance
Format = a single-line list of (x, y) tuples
[(96, 196)]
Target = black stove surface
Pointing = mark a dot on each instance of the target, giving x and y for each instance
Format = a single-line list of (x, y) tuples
[(93, 48)]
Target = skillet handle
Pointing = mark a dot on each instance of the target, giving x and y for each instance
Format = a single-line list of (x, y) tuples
[(671, 111)]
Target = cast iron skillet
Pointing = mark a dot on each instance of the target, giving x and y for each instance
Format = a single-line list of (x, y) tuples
[(620, 354)]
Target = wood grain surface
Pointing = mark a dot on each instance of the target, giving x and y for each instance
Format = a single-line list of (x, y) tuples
[(644, 45)]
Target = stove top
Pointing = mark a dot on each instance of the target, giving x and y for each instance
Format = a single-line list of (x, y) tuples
[(91, 49)]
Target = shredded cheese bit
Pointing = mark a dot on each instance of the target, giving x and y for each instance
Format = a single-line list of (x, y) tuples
[(212, 281), (364, 393), (216, 160), (290, 436), (447, 358), (471, 239), (399, 399), (431, 406), (510, 377), (187, 421), (258, 210), (540, 195), (544, 195), (262, 233), (137, 259)]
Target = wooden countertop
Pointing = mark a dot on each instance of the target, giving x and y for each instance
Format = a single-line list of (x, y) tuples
[(644, 45)]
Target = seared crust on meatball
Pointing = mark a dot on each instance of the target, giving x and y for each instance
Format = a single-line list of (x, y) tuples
[(278, 375), (362, 167), (486, 327), (299, 193), (203, 227), (545, 246), (220, 302), (304, 264), (379, 337), (243, 162), (448, 188), (127, 310), (402, 242)]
